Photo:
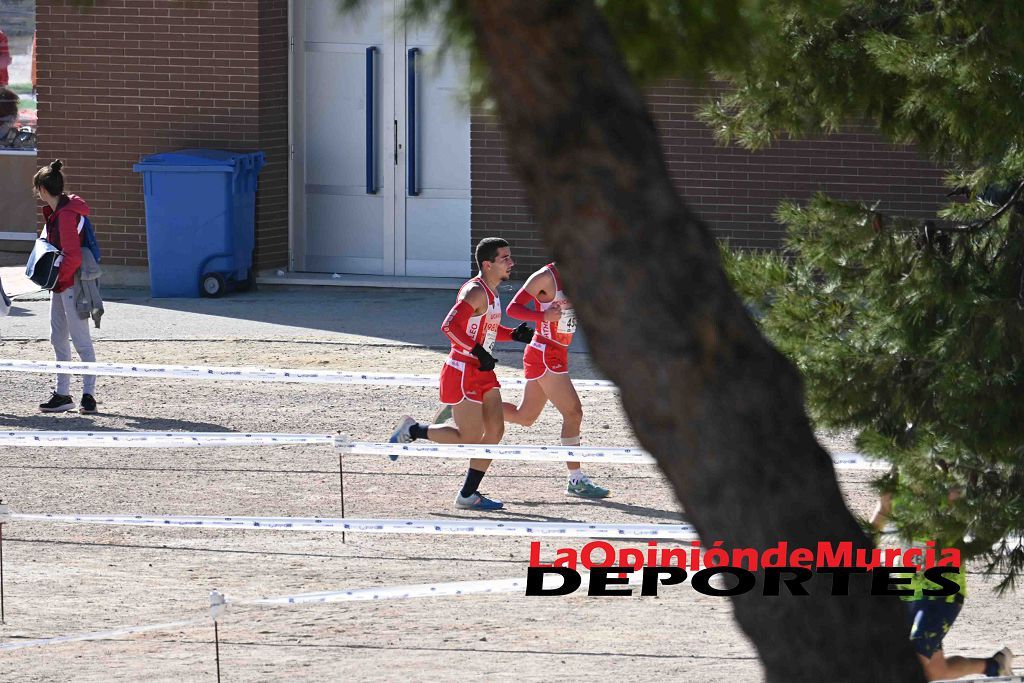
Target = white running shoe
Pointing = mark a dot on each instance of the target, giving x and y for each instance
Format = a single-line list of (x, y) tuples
[(401, 433), (1005, 659)]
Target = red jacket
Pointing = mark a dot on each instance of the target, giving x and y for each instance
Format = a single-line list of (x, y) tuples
[(5, 58), (62, 232)]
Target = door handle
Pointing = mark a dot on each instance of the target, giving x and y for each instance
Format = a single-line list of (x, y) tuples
[(411, 162), (371, 121)]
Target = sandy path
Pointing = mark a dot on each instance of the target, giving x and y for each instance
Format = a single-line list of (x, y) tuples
[(65, 580)]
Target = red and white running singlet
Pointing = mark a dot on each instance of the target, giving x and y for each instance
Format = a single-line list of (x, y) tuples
[(559, 331), (483, 328), (461, 377)]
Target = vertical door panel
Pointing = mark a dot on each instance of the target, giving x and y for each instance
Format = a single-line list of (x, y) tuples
[(356, 246), (345, 227), (435, 242), (437, 224)]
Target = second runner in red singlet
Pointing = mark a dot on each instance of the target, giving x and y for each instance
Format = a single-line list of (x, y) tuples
[(549, 350)]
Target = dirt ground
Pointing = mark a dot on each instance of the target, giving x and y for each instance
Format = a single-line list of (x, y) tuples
[(69, 579)]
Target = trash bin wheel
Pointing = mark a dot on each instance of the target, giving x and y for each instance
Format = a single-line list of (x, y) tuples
[(212, 285)]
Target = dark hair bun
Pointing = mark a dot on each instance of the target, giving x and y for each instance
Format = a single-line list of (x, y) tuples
[(56, 165)]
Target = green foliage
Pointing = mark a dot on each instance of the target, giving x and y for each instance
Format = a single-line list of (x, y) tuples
[(912, 335), (942, 74), (681, 37), (915, 338), (755, 275)]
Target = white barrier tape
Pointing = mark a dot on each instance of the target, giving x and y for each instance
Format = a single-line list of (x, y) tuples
[(422, 590), (591, 454), (425, 590), (254, 374), (856, 461), (474, 527), (157, 439), (218, 605), (100, 635), (633, 456)]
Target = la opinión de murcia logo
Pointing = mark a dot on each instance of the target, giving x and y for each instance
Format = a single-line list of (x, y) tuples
[(741, 570)]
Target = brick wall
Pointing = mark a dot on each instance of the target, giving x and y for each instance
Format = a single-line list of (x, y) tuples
[(498, 206), (736, 191), (120, 79), (272, 203)]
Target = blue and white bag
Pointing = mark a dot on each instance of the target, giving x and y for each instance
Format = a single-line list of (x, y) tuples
[(43, 265)]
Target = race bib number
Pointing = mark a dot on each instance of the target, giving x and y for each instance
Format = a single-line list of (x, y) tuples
[(490, 338), (567, 323)]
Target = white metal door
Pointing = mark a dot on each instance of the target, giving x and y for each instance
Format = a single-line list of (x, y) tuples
[(381, 169), (437, 177), (344, 198)]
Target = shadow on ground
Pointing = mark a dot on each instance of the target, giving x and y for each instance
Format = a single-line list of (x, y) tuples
[(73, 422)]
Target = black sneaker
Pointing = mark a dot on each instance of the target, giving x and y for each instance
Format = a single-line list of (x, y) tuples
[(88, 405), (58, 403)]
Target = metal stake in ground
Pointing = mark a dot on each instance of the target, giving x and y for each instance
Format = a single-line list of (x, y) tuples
[(5, 516), (216, 648), (217, 607), (3, 615), (341, 488)]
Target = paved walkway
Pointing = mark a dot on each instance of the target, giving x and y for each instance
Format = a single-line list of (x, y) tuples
[(326, 314)]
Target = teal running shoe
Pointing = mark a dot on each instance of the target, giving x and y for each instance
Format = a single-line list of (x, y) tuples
[(584, 488)]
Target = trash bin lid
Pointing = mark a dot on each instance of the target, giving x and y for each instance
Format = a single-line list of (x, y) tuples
[(199, 160)]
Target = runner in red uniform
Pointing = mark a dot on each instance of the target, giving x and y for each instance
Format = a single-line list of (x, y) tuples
[(468, 382), (546, 366)]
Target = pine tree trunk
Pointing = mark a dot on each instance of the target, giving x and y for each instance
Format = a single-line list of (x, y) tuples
[(720, 408)]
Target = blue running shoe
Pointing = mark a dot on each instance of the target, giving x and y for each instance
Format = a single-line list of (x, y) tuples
[(477, 501), (402, 434)]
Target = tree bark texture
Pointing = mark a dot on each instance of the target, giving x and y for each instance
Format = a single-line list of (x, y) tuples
[(717, 405)]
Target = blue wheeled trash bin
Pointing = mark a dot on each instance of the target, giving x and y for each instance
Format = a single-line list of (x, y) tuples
[(200, 220)]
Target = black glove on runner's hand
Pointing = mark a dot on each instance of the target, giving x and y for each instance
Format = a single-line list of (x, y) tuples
[(487, 361), (523, 334)]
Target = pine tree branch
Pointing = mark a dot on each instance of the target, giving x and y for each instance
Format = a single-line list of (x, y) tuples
[(980, 225), (930, 226)]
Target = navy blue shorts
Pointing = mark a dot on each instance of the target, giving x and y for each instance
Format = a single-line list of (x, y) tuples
[(930, 621)]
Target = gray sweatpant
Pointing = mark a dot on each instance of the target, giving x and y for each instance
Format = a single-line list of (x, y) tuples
[(64, 323)]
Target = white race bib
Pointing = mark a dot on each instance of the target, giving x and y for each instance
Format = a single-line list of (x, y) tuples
[(490, 338), (567, 323)]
